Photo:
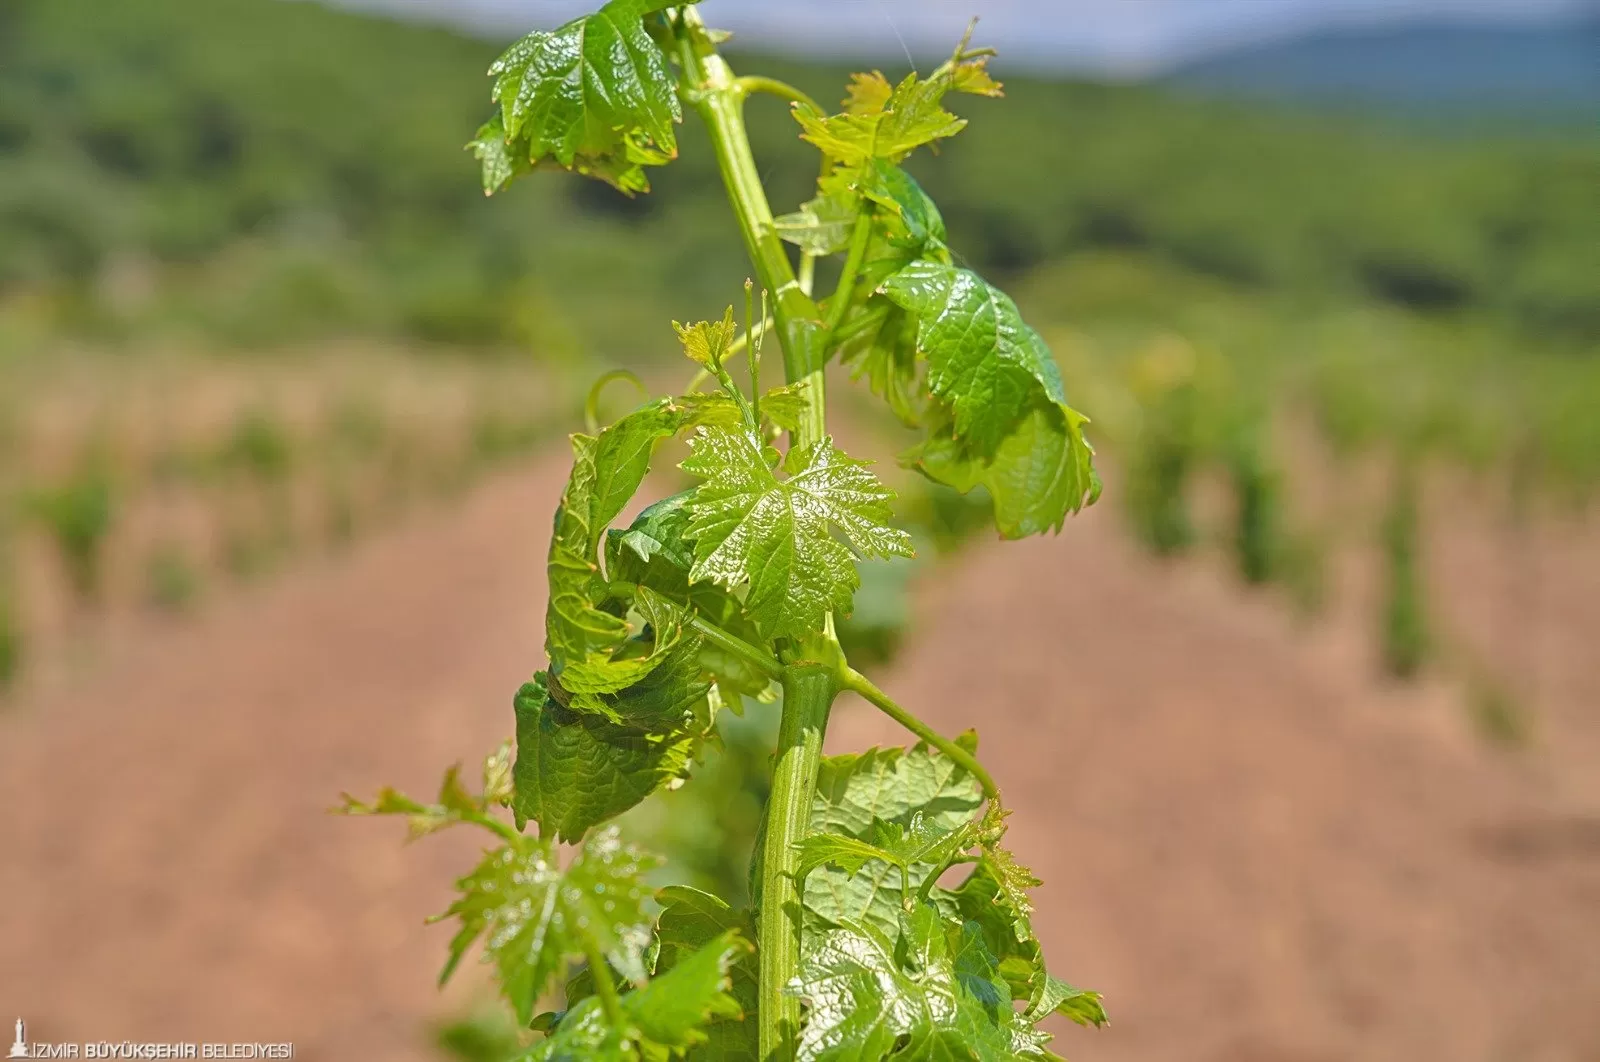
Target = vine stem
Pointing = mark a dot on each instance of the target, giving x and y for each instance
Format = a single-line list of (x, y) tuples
[(808, 693), (810, 676), (857, 683)]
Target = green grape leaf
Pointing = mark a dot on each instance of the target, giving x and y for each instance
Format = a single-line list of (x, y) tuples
[(691, 919), (574, 771), (878, 126), (658, 690), (532, 915), (983, 360), (903, 845), (822, 225), (655, 553), (883, 121), (454, 804), (706, 343), (1009, 428), (606, 472), (868, 797), (498, 161), (882, 348), (1039, 473), (993, 902), (1013, 880), (783, 406), (1058, 997), (658, 531), (932, 994), (595, 95), (776, 535), (917, 226), (839, 850), (675, 1012), (856, 790)]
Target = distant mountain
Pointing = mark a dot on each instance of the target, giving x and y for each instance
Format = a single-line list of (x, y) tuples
[(1549, 69)]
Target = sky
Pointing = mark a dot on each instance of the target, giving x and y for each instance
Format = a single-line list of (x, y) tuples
[(1113, 37)]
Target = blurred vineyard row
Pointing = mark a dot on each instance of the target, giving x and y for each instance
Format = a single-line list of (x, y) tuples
[(129, 489)]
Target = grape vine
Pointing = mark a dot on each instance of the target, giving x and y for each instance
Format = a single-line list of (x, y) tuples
[(851, 949)]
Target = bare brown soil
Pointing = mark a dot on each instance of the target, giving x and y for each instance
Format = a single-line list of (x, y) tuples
[(1257, 853)]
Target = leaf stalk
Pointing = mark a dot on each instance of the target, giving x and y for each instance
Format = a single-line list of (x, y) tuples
[(857, 683)]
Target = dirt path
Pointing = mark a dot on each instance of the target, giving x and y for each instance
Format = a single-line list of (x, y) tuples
[(1256, 857)]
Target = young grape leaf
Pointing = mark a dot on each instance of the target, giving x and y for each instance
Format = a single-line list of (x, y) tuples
[(706, 343), (1009, 427), (657, 690), (921, 844), (690, 919), (822, 225), (890, 121), (776, 535), (606, 471), (839, 850), (892, 785), (881, 345), (657, 531), (498, 161), (675, 1012), (656, 553), (863, 797), (917, 226), (595, 95), (982, 358), (454, 804), (924, 997), (1039, 473), (575, 771), (533, 915), (1058, 997), (988, 903), (783, 406), (882, 126)]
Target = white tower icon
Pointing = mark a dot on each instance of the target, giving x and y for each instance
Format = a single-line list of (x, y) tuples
[(19, 1046)]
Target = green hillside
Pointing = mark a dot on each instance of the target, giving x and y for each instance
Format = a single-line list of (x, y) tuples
[(243, 174), (257, 171)]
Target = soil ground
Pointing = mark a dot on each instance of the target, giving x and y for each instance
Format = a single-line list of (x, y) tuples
[(1256, 852)]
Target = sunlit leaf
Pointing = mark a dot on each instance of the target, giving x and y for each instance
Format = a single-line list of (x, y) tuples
[(777, 535)]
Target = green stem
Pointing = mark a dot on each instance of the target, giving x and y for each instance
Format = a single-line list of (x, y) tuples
[(856, 682), (808, 692), (839, 305), (750, 348), (759, 659), (610, 1002), (489, 822), (809, 687), (711, 87), (773, 87)]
